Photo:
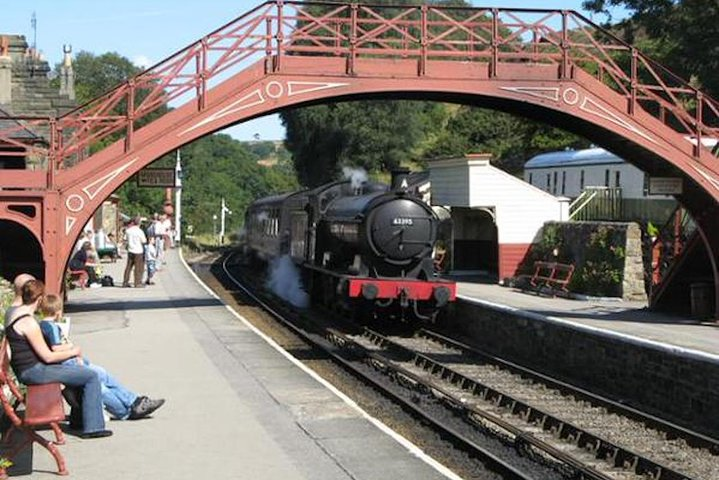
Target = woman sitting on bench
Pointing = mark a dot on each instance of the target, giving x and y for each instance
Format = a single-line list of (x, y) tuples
[(82, 261), (34, 363)]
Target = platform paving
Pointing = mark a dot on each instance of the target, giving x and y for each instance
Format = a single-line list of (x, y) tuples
[(236, 407), (630, 319)]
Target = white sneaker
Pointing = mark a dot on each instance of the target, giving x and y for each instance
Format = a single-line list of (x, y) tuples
[(95, 285)]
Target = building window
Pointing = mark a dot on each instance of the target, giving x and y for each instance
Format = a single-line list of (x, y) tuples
[(581, 180), (564, 182), (554, 187), (530, 178), (606, 177), (617, 179), (549, 181)]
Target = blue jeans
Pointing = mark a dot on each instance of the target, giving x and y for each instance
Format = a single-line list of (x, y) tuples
[(116, 398), (73, 376)]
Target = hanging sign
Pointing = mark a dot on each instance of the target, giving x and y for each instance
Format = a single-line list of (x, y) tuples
[(156, 177), (665, 186)]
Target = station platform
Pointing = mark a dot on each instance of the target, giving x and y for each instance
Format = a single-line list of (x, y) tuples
[(630, 321), (237, 406)]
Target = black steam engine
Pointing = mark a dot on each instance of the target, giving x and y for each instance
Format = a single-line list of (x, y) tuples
[(363, 246)]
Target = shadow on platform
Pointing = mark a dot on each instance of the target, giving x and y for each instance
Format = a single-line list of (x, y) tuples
[(141, 305)]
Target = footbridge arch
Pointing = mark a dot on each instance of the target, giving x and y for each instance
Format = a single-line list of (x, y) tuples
[(552, 65)]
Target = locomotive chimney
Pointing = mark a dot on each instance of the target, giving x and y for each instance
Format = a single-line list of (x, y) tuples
[(399, 179)]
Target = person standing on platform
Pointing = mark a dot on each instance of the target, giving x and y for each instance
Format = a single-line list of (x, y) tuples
[(151, 259), (160, 238), (167, 237), (136, 240)]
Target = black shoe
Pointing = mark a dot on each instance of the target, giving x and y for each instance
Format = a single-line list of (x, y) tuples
[(96, 434), (144, 406)]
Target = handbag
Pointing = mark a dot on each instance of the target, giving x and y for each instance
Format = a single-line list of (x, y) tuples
[(43, 404)]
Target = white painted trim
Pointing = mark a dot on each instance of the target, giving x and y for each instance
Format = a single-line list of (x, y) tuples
[(642, 342)]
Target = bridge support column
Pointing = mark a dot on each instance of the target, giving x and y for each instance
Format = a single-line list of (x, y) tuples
[(708, 225), (55, 250)]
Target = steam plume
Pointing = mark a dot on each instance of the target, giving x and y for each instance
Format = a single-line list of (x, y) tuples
[(285, 282)]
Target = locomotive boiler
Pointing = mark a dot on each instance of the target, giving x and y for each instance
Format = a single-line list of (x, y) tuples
[(364, 247)]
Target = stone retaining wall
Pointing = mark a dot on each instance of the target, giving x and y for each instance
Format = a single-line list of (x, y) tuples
[(678, 385)]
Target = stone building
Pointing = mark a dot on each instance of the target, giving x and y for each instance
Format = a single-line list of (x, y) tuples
[(25, 90), (25, 81)]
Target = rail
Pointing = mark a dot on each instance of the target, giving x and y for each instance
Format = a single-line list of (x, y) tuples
[(276, 29)]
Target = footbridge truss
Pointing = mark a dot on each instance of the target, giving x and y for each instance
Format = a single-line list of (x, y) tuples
[(552, 65)]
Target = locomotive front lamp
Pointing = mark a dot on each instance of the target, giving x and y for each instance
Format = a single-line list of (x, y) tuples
[(370, 291), (441, 295)]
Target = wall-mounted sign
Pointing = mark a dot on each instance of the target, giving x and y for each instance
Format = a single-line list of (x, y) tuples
[(156, 177), (665, 185)]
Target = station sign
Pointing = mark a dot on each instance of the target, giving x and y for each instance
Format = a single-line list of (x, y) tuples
[(665, 186), (156, 177)]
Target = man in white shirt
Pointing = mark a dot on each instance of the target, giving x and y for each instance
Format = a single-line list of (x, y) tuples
[(160, 238), (136, 240)]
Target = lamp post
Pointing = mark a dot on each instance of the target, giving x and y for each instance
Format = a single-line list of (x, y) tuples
[(214, 227), (223, 210), (178, 198)]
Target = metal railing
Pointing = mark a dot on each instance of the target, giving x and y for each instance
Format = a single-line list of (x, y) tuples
[(597, 203), (274, 30)]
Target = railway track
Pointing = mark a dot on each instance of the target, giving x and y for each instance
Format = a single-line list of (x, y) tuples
[(579, 435), (594, 435)]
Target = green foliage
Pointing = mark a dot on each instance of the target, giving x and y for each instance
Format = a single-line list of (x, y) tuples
[(6, 296), (218, 166), (603, 269), (510, 139), (97, 74), (374, 135), (681, 34)]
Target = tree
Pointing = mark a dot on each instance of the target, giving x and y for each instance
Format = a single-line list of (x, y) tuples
[(511, 140), (681, 34), (97, 74)]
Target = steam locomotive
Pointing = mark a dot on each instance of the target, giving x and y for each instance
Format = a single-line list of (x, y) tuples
[(363, 247)]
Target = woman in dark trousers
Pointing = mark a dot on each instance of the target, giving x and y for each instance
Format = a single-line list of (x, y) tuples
[(34, 363), (79, 262)]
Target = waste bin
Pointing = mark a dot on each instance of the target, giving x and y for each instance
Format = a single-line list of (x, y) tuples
[(702, 299)]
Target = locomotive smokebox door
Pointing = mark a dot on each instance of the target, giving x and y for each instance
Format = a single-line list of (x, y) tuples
[(402, 230)]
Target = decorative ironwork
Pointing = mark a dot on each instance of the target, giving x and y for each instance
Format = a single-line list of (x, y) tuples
[(495, 36)]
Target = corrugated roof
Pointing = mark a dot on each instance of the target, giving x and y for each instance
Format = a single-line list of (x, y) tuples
[(590, 156)]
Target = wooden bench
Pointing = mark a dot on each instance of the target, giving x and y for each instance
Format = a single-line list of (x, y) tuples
[(42, 405), (110, 253), (552, 274), (79, 277)]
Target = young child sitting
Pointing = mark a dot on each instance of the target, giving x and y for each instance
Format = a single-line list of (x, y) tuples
[(120, 402)]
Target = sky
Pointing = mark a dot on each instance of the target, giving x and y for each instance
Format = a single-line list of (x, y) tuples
[(147, 31)]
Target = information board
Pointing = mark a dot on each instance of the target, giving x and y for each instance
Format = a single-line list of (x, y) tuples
[(156, 177), (665, 185)]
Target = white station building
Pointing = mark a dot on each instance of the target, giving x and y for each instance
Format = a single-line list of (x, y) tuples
[(496, 216)]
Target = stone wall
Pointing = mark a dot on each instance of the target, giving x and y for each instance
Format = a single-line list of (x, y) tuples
[(573, 243), (680, 386)]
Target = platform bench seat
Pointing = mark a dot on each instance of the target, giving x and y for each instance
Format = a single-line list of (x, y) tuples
[(79, 278), (110, 253), (552, 274)]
